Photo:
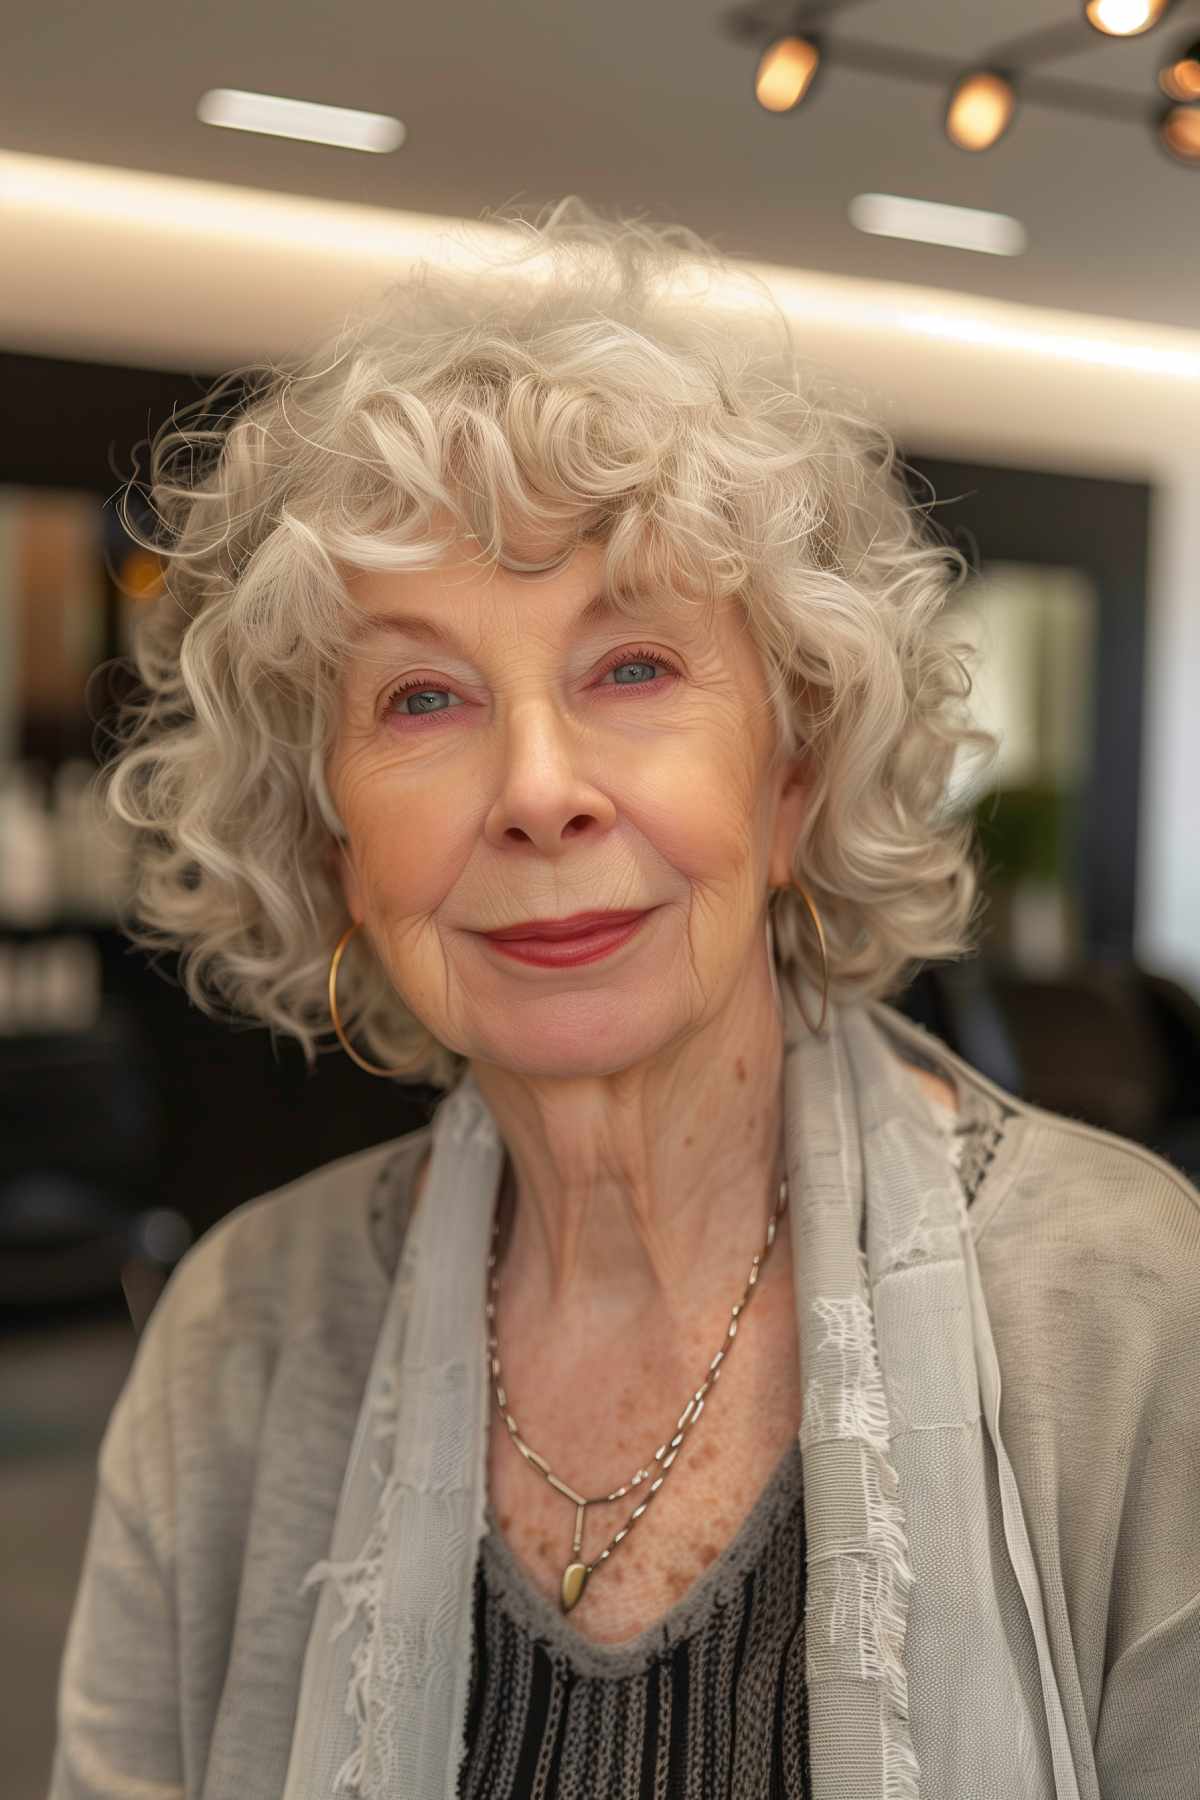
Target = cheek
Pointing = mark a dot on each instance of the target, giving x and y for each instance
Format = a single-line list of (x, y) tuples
[(409, 853), (714, 797)]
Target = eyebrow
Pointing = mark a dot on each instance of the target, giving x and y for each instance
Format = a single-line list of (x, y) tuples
[(598, 610)]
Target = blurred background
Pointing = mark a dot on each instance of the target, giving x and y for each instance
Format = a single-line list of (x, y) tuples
[(989, 227)]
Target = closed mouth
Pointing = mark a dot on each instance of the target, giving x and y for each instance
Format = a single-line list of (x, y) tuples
[(566, 931)]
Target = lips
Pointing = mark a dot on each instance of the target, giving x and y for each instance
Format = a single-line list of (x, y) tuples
[(554, 931)]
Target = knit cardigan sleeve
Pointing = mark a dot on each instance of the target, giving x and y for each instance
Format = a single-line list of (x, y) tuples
[(1148, 1741), (1147, 1738), (118, 1735), (1092, 1265), (217, 1480)]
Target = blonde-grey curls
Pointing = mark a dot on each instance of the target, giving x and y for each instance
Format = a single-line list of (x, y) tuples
[(589, 405)]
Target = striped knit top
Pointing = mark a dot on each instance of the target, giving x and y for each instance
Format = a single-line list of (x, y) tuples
[(710, 1702)]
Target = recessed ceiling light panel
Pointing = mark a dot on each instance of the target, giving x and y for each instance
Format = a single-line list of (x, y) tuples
[(273, 116), (929, 222)]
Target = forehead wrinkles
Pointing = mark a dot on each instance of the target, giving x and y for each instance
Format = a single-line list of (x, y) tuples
[(445, 629)]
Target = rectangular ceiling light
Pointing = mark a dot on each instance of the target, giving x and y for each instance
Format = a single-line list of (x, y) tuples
[(272, 116), (928, 222)]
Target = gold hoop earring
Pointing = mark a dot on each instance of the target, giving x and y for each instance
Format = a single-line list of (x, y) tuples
[(347, 1046), (816, 918)]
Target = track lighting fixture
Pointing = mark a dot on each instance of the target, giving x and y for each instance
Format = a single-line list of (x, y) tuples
[(786, 72), (1124, 18), (1179, 133), (980, 110), (982, 98), (1179, 79)]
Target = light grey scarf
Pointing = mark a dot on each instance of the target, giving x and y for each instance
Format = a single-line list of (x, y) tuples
[(911, 1583)]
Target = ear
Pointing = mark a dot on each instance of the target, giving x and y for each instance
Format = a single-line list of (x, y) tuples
[(791, 807)]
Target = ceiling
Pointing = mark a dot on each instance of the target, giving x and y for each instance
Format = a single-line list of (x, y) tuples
[(643, 108)]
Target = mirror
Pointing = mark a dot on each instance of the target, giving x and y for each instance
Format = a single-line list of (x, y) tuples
[(1035, 629)]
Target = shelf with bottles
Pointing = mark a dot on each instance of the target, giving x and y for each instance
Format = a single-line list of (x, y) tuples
[(63, 862)]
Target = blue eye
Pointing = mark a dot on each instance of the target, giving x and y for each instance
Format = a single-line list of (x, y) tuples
[(642, 657), (423, 689)]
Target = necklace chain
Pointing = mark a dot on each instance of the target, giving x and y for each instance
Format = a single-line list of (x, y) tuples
[(576, 1573)]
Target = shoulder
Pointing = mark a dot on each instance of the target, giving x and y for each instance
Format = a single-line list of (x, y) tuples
[(1108, 1208), (1088, 1213), (327, 1238), (1089, 1256), (1088, 1247), (1073, 1178), (1090, 1262), (247, 1381), (286, 1292)]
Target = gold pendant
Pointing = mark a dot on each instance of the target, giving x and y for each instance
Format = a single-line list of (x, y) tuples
[(573, 1583)]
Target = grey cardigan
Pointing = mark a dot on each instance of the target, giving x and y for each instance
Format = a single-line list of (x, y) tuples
[(221, 1467)]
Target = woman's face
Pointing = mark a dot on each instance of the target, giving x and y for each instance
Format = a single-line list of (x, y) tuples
[(556, 763)]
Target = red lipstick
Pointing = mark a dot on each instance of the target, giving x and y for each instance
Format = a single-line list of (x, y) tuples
[(554, 929), (565, 952)]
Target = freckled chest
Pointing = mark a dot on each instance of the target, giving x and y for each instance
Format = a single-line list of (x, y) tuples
[(750, 1420)]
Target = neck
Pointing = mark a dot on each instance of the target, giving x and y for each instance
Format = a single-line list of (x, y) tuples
[(648, 1192)]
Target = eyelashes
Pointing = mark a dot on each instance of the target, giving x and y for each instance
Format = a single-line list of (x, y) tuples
[(622, 657)]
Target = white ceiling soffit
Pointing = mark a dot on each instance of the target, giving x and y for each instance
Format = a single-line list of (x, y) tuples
[(201, 277), (179, 271)]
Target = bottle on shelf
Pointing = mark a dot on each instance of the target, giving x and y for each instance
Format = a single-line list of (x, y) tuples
[(28, 861)]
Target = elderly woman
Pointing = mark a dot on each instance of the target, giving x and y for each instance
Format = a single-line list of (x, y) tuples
[(730, 1391)]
